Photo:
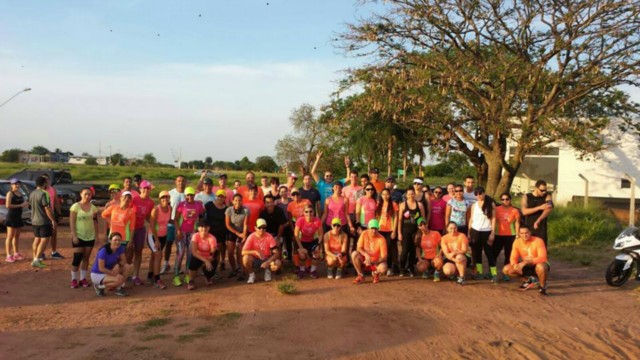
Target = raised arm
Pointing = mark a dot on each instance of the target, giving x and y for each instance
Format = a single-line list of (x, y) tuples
[(315, 165)]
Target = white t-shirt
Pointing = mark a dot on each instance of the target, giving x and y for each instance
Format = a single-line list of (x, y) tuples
[(176, 198)]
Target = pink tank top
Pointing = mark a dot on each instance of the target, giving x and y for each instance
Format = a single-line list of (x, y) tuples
[(335, 209), (162, 221)]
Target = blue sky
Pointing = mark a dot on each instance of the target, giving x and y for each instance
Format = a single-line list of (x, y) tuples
[(213, 78)]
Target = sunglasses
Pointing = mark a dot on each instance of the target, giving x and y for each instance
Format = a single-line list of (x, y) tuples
[(437, 192), (190, 195), (295, 193), (457, 191), (308, 212), (478, 193), (505, 199), (368, 189), (261, 227), (542, 190), (336, 225), (164, 198), (328, 176)]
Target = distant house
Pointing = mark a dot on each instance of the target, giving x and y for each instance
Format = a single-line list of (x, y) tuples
[(81, 160), (560, 166)]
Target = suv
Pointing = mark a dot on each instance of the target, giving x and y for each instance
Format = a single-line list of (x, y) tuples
[(5, 186), (66, 198), (61, 180)]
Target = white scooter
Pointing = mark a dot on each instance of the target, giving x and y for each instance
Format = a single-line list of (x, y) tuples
[(620, 269)]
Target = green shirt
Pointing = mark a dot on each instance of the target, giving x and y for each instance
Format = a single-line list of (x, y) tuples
[(85, 229)]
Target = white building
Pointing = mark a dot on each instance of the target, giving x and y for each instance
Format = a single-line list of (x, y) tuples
[(561, 167)]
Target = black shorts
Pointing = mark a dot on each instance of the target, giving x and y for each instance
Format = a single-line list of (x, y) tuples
[(310, 246), (220, 236), (196, 263), (83, 244), (42, 231), (14, 223), (469, 262), (234, 238), (530, 270)]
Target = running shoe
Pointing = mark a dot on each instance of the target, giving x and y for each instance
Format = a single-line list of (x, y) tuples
[(38, 264), (390, 272), (313, 275), (542, 290), (329, 273), (339, 273), (18, 256), (477, 276), (120, 292), (187, 279), (177, 281), (524, 285), (160, 285), (222, 267), (461, 281), (376, 277), (252, 278), (56, 255), (494, 280), (488, 276), (209, 281), (410, 272), (84, 283), (137, 281), (358, 280), (42, 256), (506, 278), (99, 290), (267, 275), (217, 276), (232, 274), (74, 284), (527, 285), (436, 277), (165, 268), (149, 281), (191, 285), (425, 275), (10, 259), (300, 274), (240, 277)]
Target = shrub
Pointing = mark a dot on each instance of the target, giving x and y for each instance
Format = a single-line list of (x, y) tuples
[(593, 226)]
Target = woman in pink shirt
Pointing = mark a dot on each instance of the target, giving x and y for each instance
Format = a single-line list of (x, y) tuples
[(438, 210), (336, 206)]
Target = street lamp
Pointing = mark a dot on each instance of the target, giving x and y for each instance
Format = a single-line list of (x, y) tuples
[(18, 93)]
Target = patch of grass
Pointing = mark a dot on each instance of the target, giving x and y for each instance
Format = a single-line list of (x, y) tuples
[(287, 286), (187, 338), (153, 323), (69, 345), (155, 337), (227, 319), (117, 334), (181, 325), (203, 330), (166, 312), (139, 348), (580, 235)]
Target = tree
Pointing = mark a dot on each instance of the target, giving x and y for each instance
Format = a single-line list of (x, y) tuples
[(245, 164), (517, 75), (117, 159), (149, 159), (11, 155), (40, 150), (208, 161), (91, 161), (266, 164), (309, 133)]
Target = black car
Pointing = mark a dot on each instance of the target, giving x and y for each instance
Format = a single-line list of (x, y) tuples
[(65, 197)]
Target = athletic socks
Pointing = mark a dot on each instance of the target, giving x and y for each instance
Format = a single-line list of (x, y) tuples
[(74, 275), (313, 268), (83, 274), (494, 271), (479, 269), (302, 268)]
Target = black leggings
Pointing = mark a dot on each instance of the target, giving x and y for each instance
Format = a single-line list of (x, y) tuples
[(503, 242), (392, 250), (196, 264), (480, 241), (408, 255)]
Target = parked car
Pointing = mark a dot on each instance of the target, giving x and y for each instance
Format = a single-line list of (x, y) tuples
[(65, 197), (5, 186), (62, 180)]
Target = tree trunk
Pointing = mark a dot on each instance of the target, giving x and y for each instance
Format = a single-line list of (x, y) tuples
[(389, 155), (404, 164), (420, 160), (369, 160)]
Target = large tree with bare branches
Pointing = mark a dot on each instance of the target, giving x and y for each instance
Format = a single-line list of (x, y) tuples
[(491, 75)]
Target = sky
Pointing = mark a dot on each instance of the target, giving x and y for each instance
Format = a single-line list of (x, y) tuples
[(201, 78)]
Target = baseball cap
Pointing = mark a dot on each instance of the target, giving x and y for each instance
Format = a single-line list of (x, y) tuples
[(163, 193), (417, 181), (391, 178), (336, 221), (375, 171), (189, 191), (420, 221), (137, 177), (146, 184), (15, 181), (373, 224), (114, 187), (207, 181), (222, 176), (221, 192), (261, 222), (293, 175), (125, 193)]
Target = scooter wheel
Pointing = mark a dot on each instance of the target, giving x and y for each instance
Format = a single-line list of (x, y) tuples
[(615, 275)]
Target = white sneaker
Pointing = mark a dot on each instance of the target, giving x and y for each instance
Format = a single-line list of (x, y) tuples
[(267, 275), (329, 273), (164, 269), (252, 278)]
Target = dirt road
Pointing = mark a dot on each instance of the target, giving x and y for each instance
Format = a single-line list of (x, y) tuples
[(400, 318)]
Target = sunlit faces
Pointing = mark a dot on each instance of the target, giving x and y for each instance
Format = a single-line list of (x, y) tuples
[(306, 180), (180, 183), (237, 202), (126, 184), (468, 182), (250, 178), (452, 228), (524, 233)]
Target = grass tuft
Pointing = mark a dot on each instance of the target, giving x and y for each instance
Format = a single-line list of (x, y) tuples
[(287, 286)]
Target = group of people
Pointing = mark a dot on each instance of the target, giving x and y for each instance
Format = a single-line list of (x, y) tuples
[(358, 222)]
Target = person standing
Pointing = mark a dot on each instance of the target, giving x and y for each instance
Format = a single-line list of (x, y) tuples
[(508, 226), (222, 185), (250, 178), (237, 223), (437, 219), (15, 203), (157, 238), (468, 195), (57, 214), (482, 225), (325, 185), (409, 212), (387, 215), (308, 192), (176, 196), (143, 204), (276, 219), (42, 220), (188, 213), (83, 223), (215, 218), (375, 180), (207, 194), (536, 206)]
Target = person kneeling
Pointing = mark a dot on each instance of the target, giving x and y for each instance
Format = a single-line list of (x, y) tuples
[(533, 255), (204, 248), (428, 241), (335, 247), (370, 254), (260, 251), (110, 269)]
